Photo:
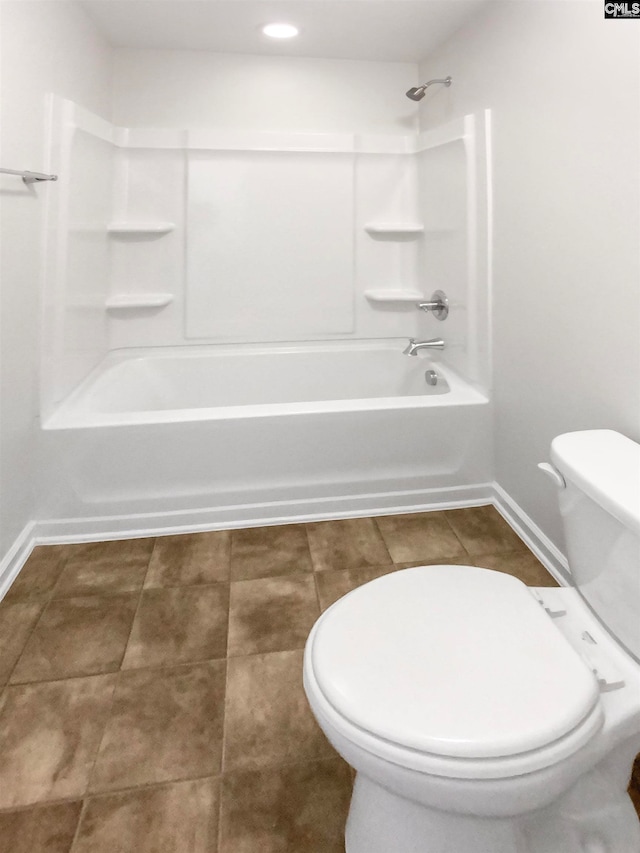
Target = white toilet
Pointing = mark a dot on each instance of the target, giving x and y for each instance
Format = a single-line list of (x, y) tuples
[(483, 716)]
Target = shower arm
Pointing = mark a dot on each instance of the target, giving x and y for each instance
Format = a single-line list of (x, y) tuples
[(445, 82)]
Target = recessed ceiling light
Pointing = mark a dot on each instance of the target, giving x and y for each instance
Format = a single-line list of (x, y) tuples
[(280, 31)]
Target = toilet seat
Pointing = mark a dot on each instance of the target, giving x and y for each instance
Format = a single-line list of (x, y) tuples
[(472, 678)]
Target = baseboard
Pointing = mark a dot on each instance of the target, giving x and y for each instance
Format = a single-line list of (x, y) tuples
[(258, 515), (16, 557), (549, 555), (77, 530)]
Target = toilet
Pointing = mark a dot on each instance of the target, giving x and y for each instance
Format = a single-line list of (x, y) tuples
[(485, 716)]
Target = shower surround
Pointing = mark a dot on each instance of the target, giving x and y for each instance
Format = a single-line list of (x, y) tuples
[(226, 317)]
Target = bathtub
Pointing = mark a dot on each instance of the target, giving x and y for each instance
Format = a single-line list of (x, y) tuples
[(157, 439)]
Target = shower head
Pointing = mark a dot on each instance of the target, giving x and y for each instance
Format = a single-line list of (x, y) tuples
[(417, 93)]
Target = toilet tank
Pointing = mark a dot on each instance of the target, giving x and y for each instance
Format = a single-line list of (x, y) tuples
[(600, 509)]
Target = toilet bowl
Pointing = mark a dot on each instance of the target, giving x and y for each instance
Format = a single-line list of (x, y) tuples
[(483, 716)]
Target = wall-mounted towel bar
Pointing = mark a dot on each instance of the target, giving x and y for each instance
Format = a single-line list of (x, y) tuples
[(29, 177)]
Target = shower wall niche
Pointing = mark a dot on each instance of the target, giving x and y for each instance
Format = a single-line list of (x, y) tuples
[(165, 237)]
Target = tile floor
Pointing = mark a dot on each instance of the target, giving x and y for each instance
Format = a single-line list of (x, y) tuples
[(152, 695)]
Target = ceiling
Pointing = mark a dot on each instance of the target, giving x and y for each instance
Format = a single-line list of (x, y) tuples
[(377, 30)]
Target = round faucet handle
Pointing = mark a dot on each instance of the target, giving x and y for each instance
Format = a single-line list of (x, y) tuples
[(438, 305)]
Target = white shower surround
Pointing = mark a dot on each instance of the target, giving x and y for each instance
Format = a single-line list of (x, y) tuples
[(224, 447), (91, 265)]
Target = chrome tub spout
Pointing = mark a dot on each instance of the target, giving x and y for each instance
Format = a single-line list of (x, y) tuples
[(414, 346)]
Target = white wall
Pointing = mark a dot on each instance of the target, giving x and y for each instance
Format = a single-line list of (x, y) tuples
[(563, 85), (179, 89), (44, 47)]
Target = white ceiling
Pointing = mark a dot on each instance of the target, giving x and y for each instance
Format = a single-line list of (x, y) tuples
[(382, 30)]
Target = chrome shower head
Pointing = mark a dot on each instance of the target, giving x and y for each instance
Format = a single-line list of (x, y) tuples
[(417, 93)]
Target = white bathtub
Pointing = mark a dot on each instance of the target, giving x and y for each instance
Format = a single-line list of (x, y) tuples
[(231, 435)]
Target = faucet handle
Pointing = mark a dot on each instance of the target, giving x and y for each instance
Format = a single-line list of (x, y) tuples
[(438, 305)]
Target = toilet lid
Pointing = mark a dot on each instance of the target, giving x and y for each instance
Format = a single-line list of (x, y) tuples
[(451, 660)]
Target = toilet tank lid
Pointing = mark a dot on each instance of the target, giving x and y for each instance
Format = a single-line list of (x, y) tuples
[(605, 465)]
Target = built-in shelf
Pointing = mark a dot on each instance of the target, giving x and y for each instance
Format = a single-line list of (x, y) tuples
[(141, 228), (389, 295), (394, 229), (124, 301)]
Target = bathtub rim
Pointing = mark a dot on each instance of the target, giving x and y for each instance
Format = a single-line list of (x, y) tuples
[(69, 413)]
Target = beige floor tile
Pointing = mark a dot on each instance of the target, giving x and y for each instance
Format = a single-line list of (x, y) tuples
[(103, 568), (264, 552), (521, 564), (180, 625), (17, 621), (634, 785), (482, 530), (419, 536), (40, 573), (634, 795), (49, 736), (352, 543), (178, 818), (271, 614), (43, 829), (77, 636), (268, 719), (333, 585), (300, 808), (196, 558), (165, 725)]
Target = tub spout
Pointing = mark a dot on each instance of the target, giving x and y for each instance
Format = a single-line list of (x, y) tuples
[(414, 346)]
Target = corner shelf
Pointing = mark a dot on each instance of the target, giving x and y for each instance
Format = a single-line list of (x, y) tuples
[(141, 228), (396, 230), (129, 301), (389, 295)]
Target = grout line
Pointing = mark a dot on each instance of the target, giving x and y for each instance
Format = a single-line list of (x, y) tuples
[(150, 786), (109, 713), (76, 834), (455, 533), (274, 765), (64, 560), (382, 539), (315, 584), (223, 750), (150, 668), (135, 615), (310, 550), (145, 786), (223, 745), (19, 658)]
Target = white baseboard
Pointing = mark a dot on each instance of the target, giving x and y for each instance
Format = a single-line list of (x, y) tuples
[(16, 557), (257, 515), (77, 530), (549, 555)]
